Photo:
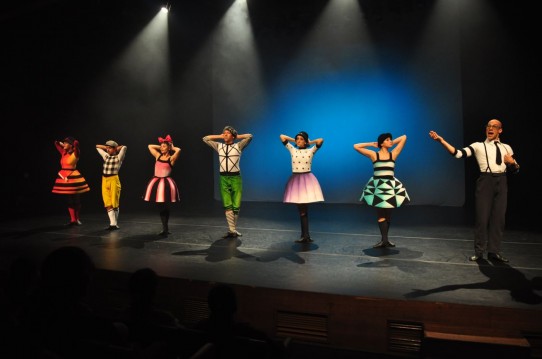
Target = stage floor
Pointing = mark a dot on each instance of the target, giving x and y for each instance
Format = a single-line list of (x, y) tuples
[(429, 263)]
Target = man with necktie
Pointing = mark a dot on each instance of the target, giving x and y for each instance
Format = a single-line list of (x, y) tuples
[(495, 159)]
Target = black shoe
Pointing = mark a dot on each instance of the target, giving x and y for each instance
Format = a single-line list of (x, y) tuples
[(75, 223), (304, 240), (230, 235), (112, 228), (164, 233), (390, 244), (475, 258), (497, 257)]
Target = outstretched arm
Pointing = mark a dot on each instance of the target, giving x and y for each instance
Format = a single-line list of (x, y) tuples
[(451, 149)]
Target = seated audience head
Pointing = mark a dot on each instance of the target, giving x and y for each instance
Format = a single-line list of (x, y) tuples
[(67, 271), (222, 300)]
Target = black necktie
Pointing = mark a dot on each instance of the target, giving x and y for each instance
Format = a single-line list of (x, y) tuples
[(499, 157)]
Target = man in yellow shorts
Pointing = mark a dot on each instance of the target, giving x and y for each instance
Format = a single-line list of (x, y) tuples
[(113, 154)]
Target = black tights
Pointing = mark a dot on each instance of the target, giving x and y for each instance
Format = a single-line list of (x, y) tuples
[(164, 216), (383, 214)]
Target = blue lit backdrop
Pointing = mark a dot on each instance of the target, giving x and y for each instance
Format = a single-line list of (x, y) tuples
[(345, 90)]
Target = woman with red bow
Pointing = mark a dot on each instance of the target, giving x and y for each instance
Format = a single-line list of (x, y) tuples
[(70, 182), (162, 189)]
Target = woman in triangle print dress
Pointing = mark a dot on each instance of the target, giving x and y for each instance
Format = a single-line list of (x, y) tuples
[(384, 191)]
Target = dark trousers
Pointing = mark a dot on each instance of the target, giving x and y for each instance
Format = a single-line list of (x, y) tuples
[(491, 200)]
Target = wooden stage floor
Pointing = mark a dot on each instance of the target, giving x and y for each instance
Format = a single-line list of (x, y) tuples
[(427, 278)]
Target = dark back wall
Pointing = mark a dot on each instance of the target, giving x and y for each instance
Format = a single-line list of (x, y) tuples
[(500, 79), (55, 55)]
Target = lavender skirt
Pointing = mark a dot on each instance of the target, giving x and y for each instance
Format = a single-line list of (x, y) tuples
[(303, 188)]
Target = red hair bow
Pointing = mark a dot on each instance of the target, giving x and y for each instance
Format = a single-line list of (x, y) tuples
[(167, 139)]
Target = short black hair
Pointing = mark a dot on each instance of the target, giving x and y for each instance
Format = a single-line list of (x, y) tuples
[(222, 299), (303, 134), (383, 138), (69, 140)]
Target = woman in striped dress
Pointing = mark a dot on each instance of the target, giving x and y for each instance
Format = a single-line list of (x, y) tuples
[(162, 189), (69, 181), (384, 191)]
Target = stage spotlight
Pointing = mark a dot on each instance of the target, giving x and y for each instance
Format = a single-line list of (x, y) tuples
[(166, 8)]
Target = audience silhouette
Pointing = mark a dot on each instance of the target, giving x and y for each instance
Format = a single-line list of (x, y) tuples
[(57, 321), (152, 330), (231, 338), (15, 294)]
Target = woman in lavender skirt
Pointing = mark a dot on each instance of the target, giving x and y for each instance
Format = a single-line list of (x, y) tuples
[(302, 187)]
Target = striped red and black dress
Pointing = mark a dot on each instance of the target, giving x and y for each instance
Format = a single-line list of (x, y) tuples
[(69, 179)]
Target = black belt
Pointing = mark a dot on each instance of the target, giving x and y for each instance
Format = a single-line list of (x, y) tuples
[(110, 175), (498, 174)]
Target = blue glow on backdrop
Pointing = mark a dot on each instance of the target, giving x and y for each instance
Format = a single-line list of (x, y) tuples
[(346, 95), (345, 109)]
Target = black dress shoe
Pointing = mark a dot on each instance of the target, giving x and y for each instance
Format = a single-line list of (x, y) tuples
[(475, 258), (112, 228), (304, 240), (497, 257)]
